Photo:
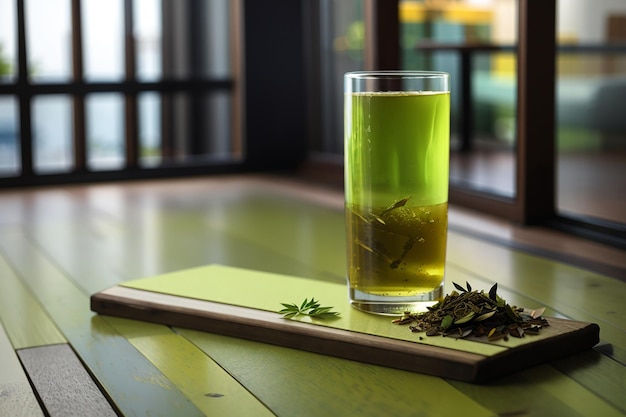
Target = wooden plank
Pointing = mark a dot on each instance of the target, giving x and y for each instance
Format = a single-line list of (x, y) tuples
[(62, 383), (599, 374), (207, 385), (538, 391), (26, 323), (297, 383), (203, 298), (310, 233), (114, 251), (570, 392), (16, 395)]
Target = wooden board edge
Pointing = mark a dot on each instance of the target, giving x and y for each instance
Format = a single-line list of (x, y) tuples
[(269, 327)]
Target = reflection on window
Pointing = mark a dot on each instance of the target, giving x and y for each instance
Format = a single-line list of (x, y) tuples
[(49, 40), (8, 42), (342, 39), (149, 129), (103, 39), (52, 134), (591, 127), (9, 137), (483, 154), (105, 131)]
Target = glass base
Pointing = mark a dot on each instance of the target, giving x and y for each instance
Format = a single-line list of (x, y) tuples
[(394, 306)]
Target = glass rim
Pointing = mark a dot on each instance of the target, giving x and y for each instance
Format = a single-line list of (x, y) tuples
[(380, 74)]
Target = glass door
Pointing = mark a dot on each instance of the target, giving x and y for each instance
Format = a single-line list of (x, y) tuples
[(591, 127)]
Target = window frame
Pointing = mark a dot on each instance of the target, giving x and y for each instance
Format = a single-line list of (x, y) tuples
[(77, 88)]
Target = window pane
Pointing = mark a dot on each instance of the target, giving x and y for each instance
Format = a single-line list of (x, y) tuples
[(148, 39), (149, 129), (103, 39), (216, 34), (8, 42), (105, 131), (217, 124), (199, 127), (9, 137), (483, 134), (197, 39), (52, 133), (591, 127), (49, 37)]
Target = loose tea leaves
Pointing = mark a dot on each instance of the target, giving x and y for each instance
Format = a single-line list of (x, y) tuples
[(472, 313)]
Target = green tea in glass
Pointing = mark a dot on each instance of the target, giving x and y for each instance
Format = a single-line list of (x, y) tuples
[(397, 145)]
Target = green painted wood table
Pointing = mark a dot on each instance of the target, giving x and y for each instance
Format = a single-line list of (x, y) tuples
[(58, 246)]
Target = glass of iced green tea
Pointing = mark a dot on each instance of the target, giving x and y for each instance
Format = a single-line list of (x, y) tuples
[(397, 145)]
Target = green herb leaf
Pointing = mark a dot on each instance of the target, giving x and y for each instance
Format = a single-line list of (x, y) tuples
[(311, 308), (447, 322)]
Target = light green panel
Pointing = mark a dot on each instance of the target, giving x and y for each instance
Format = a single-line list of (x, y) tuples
[(267, 291)]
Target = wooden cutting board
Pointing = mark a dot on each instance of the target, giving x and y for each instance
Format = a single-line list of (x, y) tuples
[(244, 303)]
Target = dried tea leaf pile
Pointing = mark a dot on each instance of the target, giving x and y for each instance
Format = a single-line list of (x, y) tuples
[(472, 313)]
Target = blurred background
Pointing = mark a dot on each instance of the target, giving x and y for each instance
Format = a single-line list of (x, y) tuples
[(123, 88)]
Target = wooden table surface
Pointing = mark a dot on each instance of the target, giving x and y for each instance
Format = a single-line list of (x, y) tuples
[(60, 245)]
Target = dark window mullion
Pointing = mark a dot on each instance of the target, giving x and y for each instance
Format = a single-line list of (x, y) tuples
[(382, 34), (167, 27), (198, 111), (130, 98), (26, 140), (78, 100), (536, 112)]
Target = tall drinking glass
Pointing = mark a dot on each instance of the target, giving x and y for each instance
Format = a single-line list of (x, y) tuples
[(397, 145)]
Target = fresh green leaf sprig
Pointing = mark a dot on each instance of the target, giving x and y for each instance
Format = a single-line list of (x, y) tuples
[(311, 308)]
